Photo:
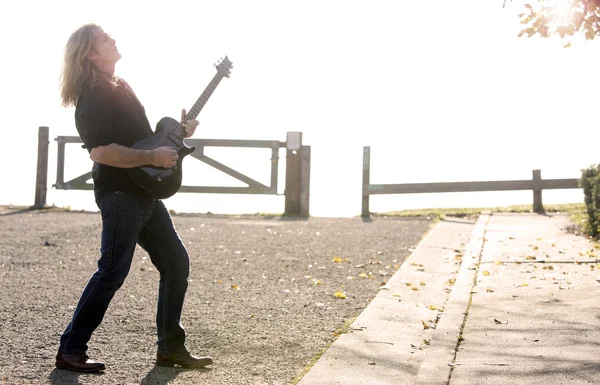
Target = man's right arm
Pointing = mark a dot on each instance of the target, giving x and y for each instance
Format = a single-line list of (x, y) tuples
[(123, 157)]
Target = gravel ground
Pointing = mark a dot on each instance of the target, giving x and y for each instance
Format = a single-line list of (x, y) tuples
[(260, 301)]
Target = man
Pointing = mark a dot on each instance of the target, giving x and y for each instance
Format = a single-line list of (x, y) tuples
[(109, 119)]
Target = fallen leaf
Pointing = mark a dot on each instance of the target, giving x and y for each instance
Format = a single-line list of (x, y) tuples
[(339, 294), (531, 258), (363, 275), (485, 272), (548, 267), (396, 295), (371, 362), (524, 284), (338, 259), (500, 322), (422, 283), (490, 290), (236, 287), (431, 307), (425, 326), (414, 288)]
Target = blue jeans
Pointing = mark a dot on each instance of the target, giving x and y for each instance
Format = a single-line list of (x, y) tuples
[(127, 220)]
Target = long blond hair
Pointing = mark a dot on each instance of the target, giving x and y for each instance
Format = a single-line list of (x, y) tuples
[(78, 70)]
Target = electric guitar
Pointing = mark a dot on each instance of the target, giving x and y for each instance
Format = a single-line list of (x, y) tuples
[(162, 182)]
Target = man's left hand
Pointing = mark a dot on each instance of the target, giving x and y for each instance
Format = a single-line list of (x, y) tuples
[(188, 125)]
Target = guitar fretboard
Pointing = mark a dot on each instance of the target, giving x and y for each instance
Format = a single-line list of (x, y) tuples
[(197, 107)]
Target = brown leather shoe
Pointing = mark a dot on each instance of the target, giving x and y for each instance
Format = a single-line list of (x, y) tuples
[(78, 363), (182, 358)]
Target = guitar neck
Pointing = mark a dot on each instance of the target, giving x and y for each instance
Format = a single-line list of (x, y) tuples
[(222, 70), (197, 107)]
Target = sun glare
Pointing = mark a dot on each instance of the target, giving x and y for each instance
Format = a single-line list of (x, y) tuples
[(560, 11)]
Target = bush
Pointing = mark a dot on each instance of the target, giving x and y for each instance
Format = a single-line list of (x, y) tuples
[(590, 182)]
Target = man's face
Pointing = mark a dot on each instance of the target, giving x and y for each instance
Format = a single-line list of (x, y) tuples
[(105, 49)]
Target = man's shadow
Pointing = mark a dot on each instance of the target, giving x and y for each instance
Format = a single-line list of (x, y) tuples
[(66, 377), (161, 375)]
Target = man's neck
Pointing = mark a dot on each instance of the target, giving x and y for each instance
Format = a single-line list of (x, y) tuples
[(106, 67)]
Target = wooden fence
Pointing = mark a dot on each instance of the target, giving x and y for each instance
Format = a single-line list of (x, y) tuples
[(536, 184), (297, 175)]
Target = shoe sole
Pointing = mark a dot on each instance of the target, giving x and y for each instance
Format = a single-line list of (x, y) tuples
[(65, 367), (171, 364)]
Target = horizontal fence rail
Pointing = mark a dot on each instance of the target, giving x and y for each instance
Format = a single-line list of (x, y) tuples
[(536, 184)]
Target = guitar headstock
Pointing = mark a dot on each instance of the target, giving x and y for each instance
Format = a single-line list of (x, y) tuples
[(224, 67)]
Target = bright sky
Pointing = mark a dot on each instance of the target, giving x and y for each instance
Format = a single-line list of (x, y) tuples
[(441, 91)]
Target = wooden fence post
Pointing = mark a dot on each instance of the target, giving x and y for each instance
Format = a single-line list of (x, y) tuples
[(366, 178), (304, 205), (538, 207), (293, 173), (41, 180)]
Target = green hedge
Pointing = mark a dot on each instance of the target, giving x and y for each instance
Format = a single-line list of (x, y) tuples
[(590, 182)]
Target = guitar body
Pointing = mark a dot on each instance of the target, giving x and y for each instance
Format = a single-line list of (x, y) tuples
[(161, 182)]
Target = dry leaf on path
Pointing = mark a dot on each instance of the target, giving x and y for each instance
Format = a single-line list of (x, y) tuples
[(339, 294)]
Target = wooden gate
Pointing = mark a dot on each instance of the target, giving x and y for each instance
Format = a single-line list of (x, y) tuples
[(297, 183)]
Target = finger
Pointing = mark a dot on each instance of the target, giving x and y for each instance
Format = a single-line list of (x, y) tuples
[(191, 124), (182, 115)]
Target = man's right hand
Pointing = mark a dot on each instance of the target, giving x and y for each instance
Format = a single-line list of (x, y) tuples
[(164, 157)]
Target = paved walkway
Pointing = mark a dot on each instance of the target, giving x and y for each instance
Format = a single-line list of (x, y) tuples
[(510, 299)]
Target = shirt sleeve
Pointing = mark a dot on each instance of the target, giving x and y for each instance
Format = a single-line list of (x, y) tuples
[(96, 118)]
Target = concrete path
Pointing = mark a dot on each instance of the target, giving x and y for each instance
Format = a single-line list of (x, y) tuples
[(510, 299)]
